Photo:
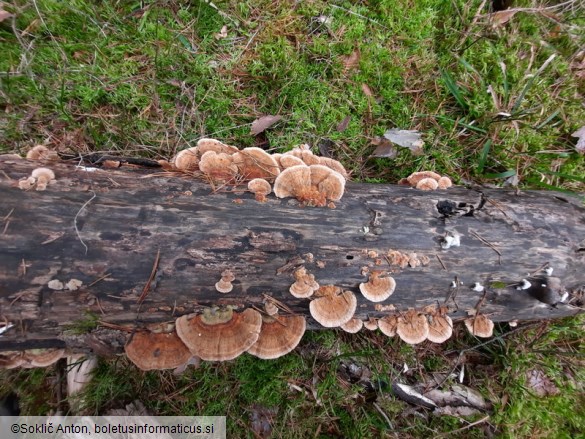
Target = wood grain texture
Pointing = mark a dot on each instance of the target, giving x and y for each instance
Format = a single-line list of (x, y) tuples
[(136, 213)]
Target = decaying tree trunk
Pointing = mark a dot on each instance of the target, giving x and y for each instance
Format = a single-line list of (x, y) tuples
[(110, 228)]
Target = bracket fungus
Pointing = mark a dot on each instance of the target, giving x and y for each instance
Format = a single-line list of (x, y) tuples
[(219, 335), (150, 350), (388, 325), (414, 178), (289, 160), (353, 326), (371, 324), (444, 183), (304, 285), (187, 159), (427, 184), (332, 307), (333, 164), (41, 152), (377, 288), (256, 163), (278, 336), (260, 188), (480, 326), (218, 166), (311, 185), (413, 327), (41, 357), (204, 145), (304, 153), (440, 325), (224, 285)]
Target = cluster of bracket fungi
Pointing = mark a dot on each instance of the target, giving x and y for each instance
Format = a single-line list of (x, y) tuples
[(224, 334)]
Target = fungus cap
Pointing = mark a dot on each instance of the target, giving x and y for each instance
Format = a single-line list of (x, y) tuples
[(352, 326), (41, 152), (427, 184), (270, 308), (216, 146), (278, 336), (260, 188), (42, 357), (12, 359), (440, 327), (289, 160), (329, 182), (304, 153), (156, 351), (412, 327), (388, 325), (256, 163), (371, 324), (225, 283), (480, 326), (220, 336), (43, 174), (333, 308), (333, 164), (292, 181), (304, 285), (218, 166), (444, 183), (378, 289), (415, 177), (187, 159)]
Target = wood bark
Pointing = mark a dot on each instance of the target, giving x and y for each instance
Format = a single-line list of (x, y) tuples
[(106, 228)]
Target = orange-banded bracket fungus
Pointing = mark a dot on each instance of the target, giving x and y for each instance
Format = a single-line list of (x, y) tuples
[(260, 188), (256, 163), (150, 350), (546, 289), (388, 325), (332, 308), (187, 159), (413, 327), (224, 285), (414, 178), (440, 324), (26, 183), (352, 326), (480, 326), (379, 287), (333, 164), (41, 357), (219, 335), (304, 285), (312, 185), (444, 183), (289, 160), (278, 336), (41, 152), (216, 146), (11, 359), (427, 184), (371, 324), (304, 153), (218, 166)]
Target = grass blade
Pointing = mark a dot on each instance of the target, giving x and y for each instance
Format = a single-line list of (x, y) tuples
[(484, 155), (454, 89)]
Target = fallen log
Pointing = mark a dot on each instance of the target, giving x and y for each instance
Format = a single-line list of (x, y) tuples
[(149, 246)]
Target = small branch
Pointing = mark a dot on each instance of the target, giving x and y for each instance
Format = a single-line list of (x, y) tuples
[(75, 220)]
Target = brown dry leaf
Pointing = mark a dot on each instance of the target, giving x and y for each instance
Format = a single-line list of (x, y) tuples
[(502, 17), (263, 123), (4, 14), (351, 61), (540, 384), (385, 148), (221, 34), (342, 126), (111, 164), (367, 90)]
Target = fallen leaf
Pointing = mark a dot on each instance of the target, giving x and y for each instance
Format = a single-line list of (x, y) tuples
[(502, 17), (4, 14), (367, 90), (538, 382), (580, 134), (410, 139), (351, 61), (262, 419), (221, 34), (325, 145), (385, 148), (263, 123), (342, 126)]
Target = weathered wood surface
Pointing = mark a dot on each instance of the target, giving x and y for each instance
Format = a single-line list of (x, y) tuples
[(200, 233)]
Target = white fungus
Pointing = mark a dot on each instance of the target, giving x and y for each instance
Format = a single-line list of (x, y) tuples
[(478, 287), (451, 239), (524, 285), (548, 271)]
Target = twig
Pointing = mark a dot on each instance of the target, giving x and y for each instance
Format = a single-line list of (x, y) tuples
[(360, 15), (384, 415), (75, 220), (99, 279), (489, 244), (150, 279), (473, 424), (441, 261)]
